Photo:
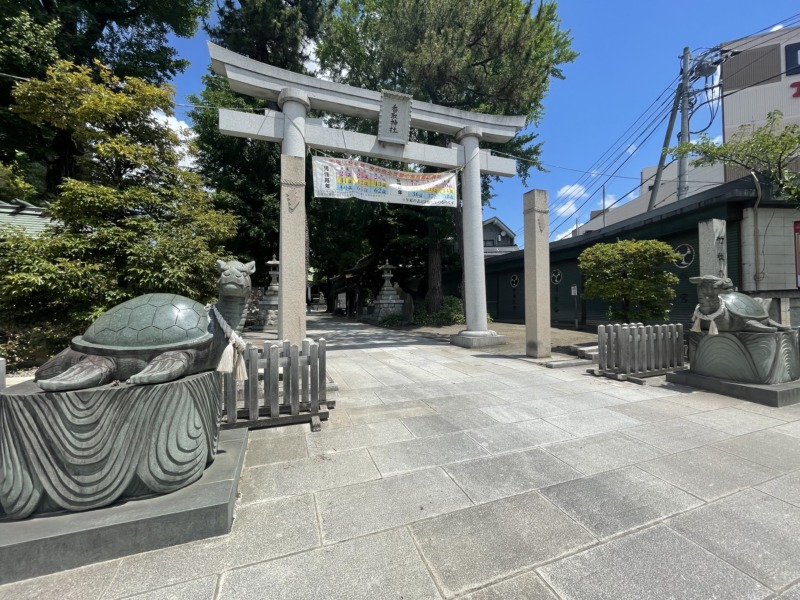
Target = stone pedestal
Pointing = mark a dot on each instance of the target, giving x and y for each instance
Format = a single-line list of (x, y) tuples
[(760, 358), (88, 448)]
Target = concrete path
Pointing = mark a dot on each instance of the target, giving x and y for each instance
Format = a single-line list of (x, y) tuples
[(451, 473)]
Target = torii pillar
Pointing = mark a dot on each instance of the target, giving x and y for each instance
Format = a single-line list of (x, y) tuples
[(294, 272), (477, 334)]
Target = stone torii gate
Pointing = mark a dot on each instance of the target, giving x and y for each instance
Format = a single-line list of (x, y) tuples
[(296, 94)]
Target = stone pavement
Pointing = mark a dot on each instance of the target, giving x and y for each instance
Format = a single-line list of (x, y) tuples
[(454, 473)]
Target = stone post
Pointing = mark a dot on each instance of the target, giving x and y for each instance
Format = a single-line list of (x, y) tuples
[(292, 291), (477, 333), (713, 247), (536, 222)]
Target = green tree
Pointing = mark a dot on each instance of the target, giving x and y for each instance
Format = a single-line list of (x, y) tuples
[(771, 151), (631, 276), (493, 56), (130, 37), (246, 173), (135, 223)]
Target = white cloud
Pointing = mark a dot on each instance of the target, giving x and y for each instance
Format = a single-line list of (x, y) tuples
[(185, 136), (565, 208), (610, 199), (631, 149), (777, 27), (717, 139), (574, 190)]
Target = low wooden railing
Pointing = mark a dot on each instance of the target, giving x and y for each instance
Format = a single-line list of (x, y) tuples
[(629, 350), (285, 384)]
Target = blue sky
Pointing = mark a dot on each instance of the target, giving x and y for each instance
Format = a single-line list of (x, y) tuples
[(629, 55)]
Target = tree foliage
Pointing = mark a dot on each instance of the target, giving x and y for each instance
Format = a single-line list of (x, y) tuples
[(135, 222), (631, 276), (130, 37), (768, 150)]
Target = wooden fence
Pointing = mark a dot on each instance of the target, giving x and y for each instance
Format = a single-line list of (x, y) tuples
[(285, 385), (633, 350)]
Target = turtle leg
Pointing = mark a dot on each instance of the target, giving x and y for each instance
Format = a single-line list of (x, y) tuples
[(58, 364), (164, 367), (758, 327), (90, 372), (779, 326)]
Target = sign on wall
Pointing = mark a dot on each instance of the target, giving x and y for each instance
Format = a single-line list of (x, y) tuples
[(341, 178)]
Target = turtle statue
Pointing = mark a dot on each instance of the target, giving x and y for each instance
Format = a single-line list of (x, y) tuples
[(720, 308), (153, 338)]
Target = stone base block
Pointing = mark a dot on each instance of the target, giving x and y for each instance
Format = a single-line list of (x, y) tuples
[(781, 394), (46, 544), (465, 340), (760, 358)]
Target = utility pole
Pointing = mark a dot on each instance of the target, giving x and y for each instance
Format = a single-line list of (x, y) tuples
[(682, 102), (683, 161), (604, 205)]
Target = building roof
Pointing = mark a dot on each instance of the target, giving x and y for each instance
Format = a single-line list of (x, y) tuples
[(23, 214)]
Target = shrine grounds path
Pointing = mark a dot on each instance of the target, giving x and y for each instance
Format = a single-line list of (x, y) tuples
[(453, 473)]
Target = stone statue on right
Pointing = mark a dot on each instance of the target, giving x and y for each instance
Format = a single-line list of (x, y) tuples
[(720, 308), (733, 338)]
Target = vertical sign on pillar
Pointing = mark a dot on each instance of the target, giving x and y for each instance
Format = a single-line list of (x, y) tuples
[(797, 252)]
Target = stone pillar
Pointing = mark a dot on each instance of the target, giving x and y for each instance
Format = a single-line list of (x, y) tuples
[(713, 247), (536, 222), (292, 291), (477, 333)]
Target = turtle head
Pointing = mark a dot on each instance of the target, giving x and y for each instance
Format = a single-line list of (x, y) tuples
[(234, 278), (709, 287)]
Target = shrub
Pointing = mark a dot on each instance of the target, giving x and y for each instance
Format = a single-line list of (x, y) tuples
[(451, 313)]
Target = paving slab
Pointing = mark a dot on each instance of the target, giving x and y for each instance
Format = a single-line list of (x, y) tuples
[(425, 452), (770, 448), (676, 435), (787, 488), (525, 410), (525, 587), (734, 421), (449, 422), (199, 589), (753, 531), (655, 564), (360, 436), (706, 401), (648, 411), (784, 413), (528, 375), (85, 583), (386, 566), (481, 545), (792, 428), (604, 452), (708, 473), (398, 410), (374, 506), (633, 392), (494, 477), (307, 475), (260, 532), (265, 451), (527, 393), (792, 593), (580, 401), (611, 503), (517, 436), (463, 401), (592, 422)]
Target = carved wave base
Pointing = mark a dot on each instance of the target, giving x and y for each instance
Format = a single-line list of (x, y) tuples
[(85, 449), (761, 358)]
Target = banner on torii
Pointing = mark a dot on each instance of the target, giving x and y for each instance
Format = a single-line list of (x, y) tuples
[(342, 178)]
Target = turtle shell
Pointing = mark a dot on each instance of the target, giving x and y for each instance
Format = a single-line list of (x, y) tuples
[(149, 321), (743, 306)]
